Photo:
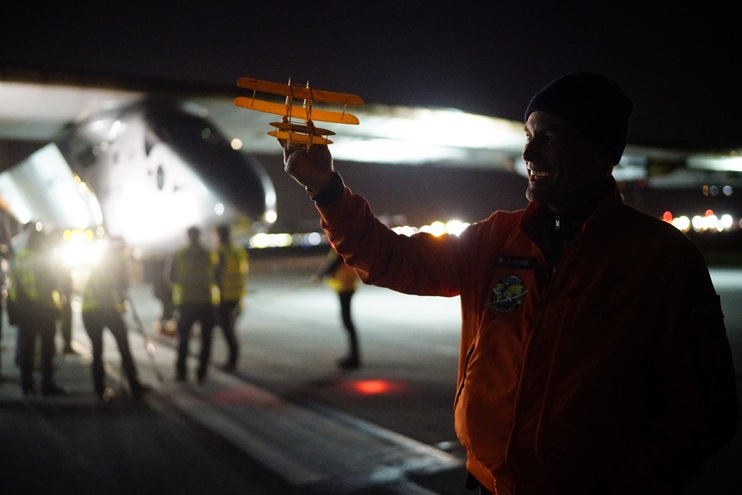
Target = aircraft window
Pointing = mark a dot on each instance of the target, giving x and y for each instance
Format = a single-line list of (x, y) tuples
[(163, 133), (160, 177), (176, 127)]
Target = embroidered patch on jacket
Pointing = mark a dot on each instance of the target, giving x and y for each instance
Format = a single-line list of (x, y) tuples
[(508, 294), (515, 262)]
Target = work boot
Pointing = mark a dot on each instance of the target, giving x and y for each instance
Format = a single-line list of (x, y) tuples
[(53, 389), (138, 388), (107, 394), (349, 363)]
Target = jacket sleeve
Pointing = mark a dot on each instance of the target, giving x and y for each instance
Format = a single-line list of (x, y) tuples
[(421, 264), (695, 396)]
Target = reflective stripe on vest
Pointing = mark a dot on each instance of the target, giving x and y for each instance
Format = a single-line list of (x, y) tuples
[(194, 277), (30, 275), (234, 267)]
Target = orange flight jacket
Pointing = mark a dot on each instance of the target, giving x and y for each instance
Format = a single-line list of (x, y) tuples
[(609, 372)]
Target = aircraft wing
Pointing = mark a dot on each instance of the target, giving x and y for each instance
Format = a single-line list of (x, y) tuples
[(34, 111), (31, 111)]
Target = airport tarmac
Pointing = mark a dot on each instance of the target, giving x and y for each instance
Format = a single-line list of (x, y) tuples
[(288, 420)]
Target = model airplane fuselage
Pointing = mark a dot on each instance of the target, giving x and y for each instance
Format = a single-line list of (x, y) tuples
[(297, 125)]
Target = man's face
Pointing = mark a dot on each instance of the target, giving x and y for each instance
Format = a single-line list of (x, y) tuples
[(564, 167)]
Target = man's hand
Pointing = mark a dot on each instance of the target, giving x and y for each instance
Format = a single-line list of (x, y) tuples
[(312, 168)]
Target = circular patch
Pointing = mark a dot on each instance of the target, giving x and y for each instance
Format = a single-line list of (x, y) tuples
[(507, 294)]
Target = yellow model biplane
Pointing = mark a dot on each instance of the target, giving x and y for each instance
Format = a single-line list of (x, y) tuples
[(298, 123)]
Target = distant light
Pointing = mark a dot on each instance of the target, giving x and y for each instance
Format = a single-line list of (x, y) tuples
[(264, 240), (726, 222), (727, 190), (436, 228), (79, 248), (709, 222), (313, 239), (270, 216), (681, 223), (456, 227), (236, 144), (697, 223), (439, 228), (219, 209), (405, 230)]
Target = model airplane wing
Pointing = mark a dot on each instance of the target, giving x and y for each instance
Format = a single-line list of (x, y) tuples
[(298, 127), (299, 92), (296, 111), (299, 138), (301, 134)]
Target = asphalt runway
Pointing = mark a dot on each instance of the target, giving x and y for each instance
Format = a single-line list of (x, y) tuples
[(289, 420)]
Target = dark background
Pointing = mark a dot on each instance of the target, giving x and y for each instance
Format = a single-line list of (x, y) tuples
[(677, 60)]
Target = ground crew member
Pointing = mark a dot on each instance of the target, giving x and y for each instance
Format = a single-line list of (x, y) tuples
[(195, 295), (343, 280), (35, 297), (231, 276), (103, 307)]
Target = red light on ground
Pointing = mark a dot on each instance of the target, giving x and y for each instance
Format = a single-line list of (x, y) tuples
[(709, 213), (372, 387)]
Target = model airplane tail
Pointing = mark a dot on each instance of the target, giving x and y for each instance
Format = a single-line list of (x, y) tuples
[(298, 127)]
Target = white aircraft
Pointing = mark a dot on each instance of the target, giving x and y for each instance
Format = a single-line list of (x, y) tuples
[(143, 168), (127, 165)]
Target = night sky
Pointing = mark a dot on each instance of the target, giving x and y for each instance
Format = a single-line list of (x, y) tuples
[(678, 61)]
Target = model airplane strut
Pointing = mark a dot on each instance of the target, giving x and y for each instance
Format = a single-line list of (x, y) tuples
[(298, 119)]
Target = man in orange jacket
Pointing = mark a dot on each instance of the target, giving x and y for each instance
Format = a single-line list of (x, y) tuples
[(594, 357)]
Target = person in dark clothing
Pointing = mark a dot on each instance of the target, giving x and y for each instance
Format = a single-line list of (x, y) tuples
[(65, 311), (594, 357), (231, 277), (194, 285), (35, 297), (103, 307), (343, 280)]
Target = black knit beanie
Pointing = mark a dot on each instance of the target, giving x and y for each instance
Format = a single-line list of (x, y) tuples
[(593, 104)]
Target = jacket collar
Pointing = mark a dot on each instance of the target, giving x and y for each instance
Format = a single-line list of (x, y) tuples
[(552, 232)]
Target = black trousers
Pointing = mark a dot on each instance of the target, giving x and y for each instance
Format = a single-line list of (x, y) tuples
[(36, 323), (345, 299), (188, 316), (228, 312), (96, 321)]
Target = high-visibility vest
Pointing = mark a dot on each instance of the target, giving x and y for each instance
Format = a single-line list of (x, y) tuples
[(232, 269), (104, 289), (343, 278), (194, 277), (33, 279)]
